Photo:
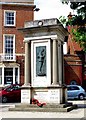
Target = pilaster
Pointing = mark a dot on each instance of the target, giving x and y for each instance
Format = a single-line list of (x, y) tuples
[(27, 64), (55, 63)]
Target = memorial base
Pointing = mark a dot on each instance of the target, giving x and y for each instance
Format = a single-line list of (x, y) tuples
[(26, 94), (46, 108), (57, 94), (51, 94)]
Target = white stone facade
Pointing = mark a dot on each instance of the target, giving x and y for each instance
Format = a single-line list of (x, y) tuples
[(46, 81)]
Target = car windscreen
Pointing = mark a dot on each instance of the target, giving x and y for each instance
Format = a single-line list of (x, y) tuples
[(4, 88), (72, 88)]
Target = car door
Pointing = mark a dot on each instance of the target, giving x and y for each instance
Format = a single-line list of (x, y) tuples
[(69, 92), (17, 92), (75, 90), (9, 93), (72, 92)]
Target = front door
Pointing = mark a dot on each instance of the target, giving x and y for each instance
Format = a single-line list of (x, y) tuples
[(8, 76)]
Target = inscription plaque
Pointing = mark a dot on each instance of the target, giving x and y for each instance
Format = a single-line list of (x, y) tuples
[(41, 95), (25, 96), (54, 95)]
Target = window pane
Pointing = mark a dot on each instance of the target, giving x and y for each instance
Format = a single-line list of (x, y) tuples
[(0, 71), (9, 18), (0, 75), (9, 47), (75, 88), (68, 88), (8, 76)]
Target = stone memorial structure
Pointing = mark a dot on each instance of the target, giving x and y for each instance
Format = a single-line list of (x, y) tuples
[(44, 67)]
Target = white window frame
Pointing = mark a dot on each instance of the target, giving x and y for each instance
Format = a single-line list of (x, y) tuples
[(3, 68), (9, 11), (14, 57)]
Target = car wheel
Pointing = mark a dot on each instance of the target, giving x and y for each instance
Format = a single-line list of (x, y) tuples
[(4, 99), (81, 96)]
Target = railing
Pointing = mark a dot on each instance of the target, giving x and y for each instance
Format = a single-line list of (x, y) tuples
[(7, 58)]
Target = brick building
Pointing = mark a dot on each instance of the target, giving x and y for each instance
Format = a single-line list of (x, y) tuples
[(13, 14), (74, 62)]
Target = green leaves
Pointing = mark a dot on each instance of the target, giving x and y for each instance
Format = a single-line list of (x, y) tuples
[(79, 20), (80, 37), (63, 20)]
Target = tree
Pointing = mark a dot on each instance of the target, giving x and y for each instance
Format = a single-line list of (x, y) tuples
[(79, 34)]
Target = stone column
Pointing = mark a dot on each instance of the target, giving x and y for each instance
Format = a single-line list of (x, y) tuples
[(26, 88), (55, 62), (27, 64), (60, 62)]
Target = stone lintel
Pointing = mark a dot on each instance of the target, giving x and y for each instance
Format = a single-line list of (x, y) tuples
[(46, 87), (30, 4)]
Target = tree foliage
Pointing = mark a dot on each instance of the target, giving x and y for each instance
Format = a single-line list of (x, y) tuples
[(79, 20)]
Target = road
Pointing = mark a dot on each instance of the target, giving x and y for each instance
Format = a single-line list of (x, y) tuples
[(76, 113)]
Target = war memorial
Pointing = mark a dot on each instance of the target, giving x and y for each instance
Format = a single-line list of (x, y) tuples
[(44, 67)]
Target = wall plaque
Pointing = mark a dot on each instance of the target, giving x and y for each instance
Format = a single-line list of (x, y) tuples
[(41, 61)]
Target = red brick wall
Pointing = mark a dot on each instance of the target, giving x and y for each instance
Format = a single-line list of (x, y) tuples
[(74, 60), (73, 65), (23, 14), (73, 72)]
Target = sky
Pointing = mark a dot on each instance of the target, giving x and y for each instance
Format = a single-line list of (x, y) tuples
[(50, 9)]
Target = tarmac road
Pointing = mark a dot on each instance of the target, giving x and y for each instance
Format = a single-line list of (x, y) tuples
[(76, 113)]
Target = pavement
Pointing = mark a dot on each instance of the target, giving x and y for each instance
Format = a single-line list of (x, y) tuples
[(78, 113)]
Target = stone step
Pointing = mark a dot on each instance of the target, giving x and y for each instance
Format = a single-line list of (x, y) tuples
[(26, 105), (44, 106), (42, 109)]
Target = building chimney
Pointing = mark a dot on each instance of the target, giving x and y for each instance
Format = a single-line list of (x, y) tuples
[(70, 16)]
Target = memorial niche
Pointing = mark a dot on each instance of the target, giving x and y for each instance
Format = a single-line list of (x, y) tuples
[(41, 61)]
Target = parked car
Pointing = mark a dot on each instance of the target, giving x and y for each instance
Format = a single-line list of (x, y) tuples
[(75, 91), (10, 93)]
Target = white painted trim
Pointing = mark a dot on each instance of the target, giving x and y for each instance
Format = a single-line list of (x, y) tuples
[(18, 75), (13, 75), (46, 80), (2, 75), (40, 37), (18, 1), (20, 54), (14, 18), (14, 39), (3, 67)]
